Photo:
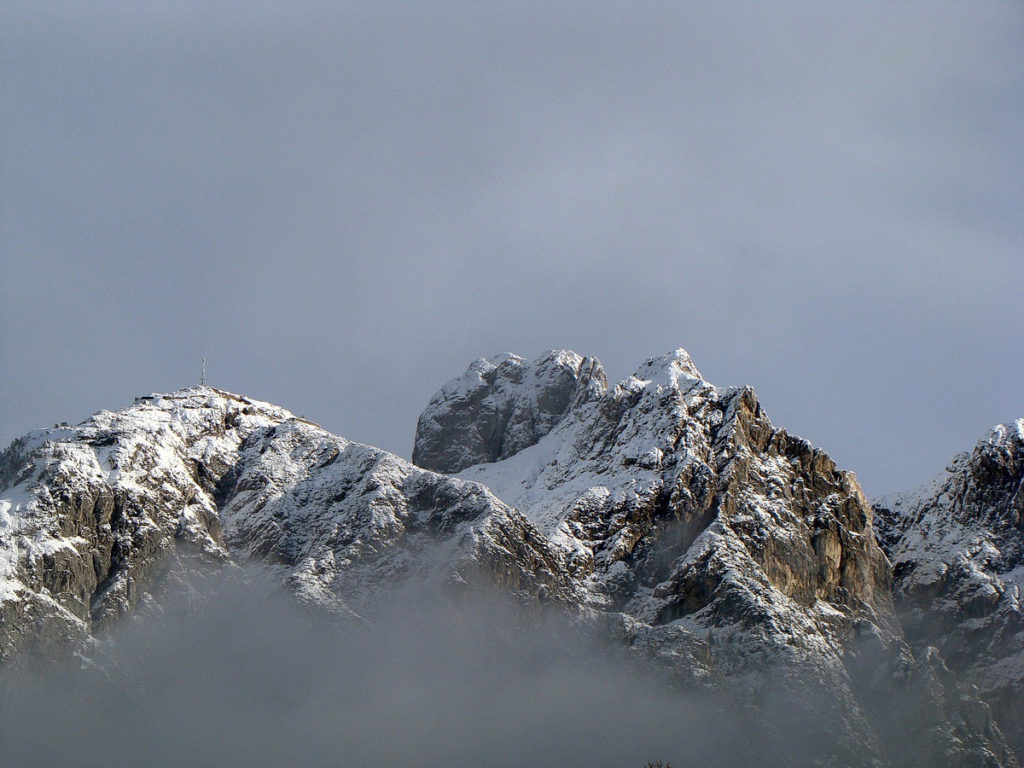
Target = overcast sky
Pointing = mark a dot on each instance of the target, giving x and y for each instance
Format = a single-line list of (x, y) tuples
[(341, 205)]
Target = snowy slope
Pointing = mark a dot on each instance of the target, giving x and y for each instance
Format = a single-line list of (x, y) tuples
[(672, 465), (501, 405), (100, 517), (344, 523), (92, 516), (957, 547)]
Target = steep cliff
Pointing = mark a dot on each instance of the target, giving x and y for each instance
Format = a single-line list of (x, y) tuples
[(501, 405)]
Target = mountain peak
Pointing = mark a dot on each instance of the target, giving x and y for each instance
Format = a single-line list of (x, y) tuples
[(501, 405), (668, 368)]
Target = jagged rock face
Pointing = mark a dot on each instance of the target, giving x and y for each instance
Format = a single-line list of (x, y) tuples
[(957, 548), (922, 713), (659, 488), (501, 405)]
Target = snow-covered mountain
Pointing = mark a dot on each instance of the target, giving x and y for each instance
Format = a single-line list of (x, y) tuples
[(722, 547), (957, 548), (663, 511), (99, 517)]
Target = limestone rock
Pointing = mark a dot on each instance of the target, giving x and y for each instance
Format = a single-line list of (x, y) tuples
[(501, 405), (96, 519)]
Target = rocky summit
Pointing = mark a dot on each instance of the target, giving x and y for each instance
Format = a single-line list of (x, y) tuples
[(664, 513)]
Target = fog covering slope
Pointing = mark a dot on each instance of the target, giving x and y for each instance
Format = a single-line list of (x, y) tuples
[(249, 677)]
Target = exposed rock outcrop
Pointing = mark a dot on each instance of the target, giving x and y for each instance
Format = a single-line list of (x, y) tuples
[(345, 523), (501, 405), (729, 552)]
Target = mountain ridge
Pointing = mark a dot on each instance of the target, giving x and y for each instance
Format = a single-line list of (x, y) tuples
[(670, 512)]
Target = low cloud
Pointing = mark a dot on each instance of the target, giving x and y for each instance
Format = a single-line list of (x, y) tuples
[(251, 678)]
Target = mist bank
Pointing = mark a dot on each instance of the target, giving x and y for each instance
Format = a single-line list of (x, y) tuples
[(241, 674)]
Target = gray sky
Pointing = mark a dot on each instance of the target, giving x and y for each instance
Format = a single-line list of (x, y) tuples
[(341, 205)]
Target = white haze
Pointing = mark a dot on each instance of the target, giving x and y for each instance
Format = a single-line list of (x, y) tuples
[(248, 678)]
